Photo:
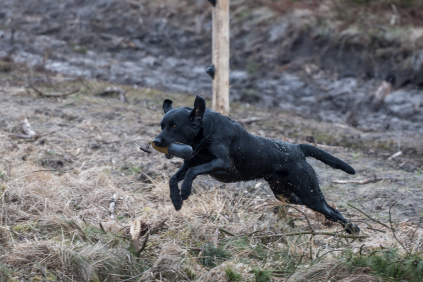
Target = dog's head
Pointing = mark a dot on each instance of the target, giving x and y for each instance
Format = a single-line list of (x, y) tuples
[(180, 124)]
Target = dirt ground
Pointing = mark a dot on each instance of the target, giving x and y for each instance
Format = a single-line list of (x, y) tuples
[(312, 58), (87, 147), (85, 130)]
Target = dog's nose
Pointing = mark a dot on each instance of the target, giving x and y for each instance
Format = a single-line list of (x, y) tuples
[(157, 142)]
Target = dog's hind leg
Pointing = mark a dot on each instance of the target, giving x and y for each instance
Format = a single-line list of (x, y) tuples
[(280, 188), (304, 184)]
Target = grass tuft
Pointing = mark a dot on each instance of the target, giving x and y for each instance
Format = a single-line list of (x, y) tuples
[(232, 274), (262, 275), (213, 256)]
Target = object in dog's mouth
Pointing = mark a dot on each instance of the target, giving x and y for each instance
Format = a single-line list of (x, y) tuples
[(175, 149)]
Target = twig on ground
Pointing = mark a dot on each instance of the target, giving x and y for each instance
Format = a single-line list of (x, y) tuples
[(364, 181), (41, 170), (254, 232), (144, 244), (132, 278), (21, 136), (112, 206), (36, 90), (308, 221), (227, 232), (102, 228), (40, 93), (111, 90), (369, 217), (158, 226), (295, 268), (81, 80), (374, 229), (397, 154), (417, 227), (393, 230), (245, 121), (314, 233)]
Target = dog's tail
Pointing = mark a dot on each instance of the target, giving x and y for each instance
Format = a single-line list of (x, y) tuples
[(311, 151)]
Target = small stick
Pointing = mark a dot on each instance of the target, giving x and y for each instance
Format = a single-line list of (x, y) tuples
[(61, 95), (374, 229), (295, 268), (417, 227), (112, 206), (336, 250), (368, 216), (227, 232), (254, 232), (392, 229), (36, 90), (41, 170), (102, 228), (146, 148), (365, 181), (21, 136), (308, 221), (248, 120), (144, 244), (314, 233), (158, 226), (122, 96), (53, 95)]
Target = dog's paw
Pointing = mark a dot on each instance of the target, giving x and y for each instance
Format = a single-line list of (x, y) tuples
[(177, 203), (184, 196), (352, 228), (185, 190)]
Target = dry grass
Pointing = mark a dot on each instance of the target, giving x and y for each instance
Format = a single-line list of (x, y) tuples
[(50, 220)]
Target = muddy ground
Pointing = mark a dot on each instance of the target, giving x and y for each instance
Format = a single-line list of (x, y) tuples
[(310, 58)]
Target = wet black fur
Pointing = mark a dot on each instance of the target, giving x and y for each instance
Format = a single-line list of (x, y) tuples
[(227, 152)]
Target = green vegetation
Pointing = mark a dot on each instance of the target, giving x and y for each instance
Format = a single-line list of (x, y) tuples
[(388, 264), (213, 256), (80, 49), (5, 273), (262, 275), (232, 274)]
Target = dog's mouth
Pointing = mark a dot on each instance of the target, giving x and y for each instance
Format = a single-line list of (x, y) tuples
[(174, 149)]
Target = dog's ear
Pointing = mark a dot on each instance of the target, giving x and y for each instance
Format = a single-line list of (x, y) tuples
[(167, 105), (199, 109)]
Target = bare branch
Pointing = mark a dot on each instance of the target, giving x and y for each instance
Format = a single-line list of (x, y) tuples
[(393, 231), (308, 221), (314, 233), (369, 217), (226, 231), (144, 244), (40, 93)]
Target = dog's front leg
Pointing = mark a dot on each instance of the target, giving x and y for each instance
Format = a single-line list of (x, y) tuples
[(215, 165), (173, 185)]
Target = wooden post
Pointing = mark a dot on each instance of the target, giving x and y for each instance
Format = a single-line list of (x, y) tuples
[(221, 56)]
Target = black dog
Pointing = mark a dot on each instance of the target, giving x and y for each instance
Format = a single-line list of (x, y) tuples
[(227, 152)]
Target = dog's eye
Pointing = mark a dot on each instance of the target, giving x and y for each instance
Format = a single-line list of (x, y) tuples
[(174, 126)]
